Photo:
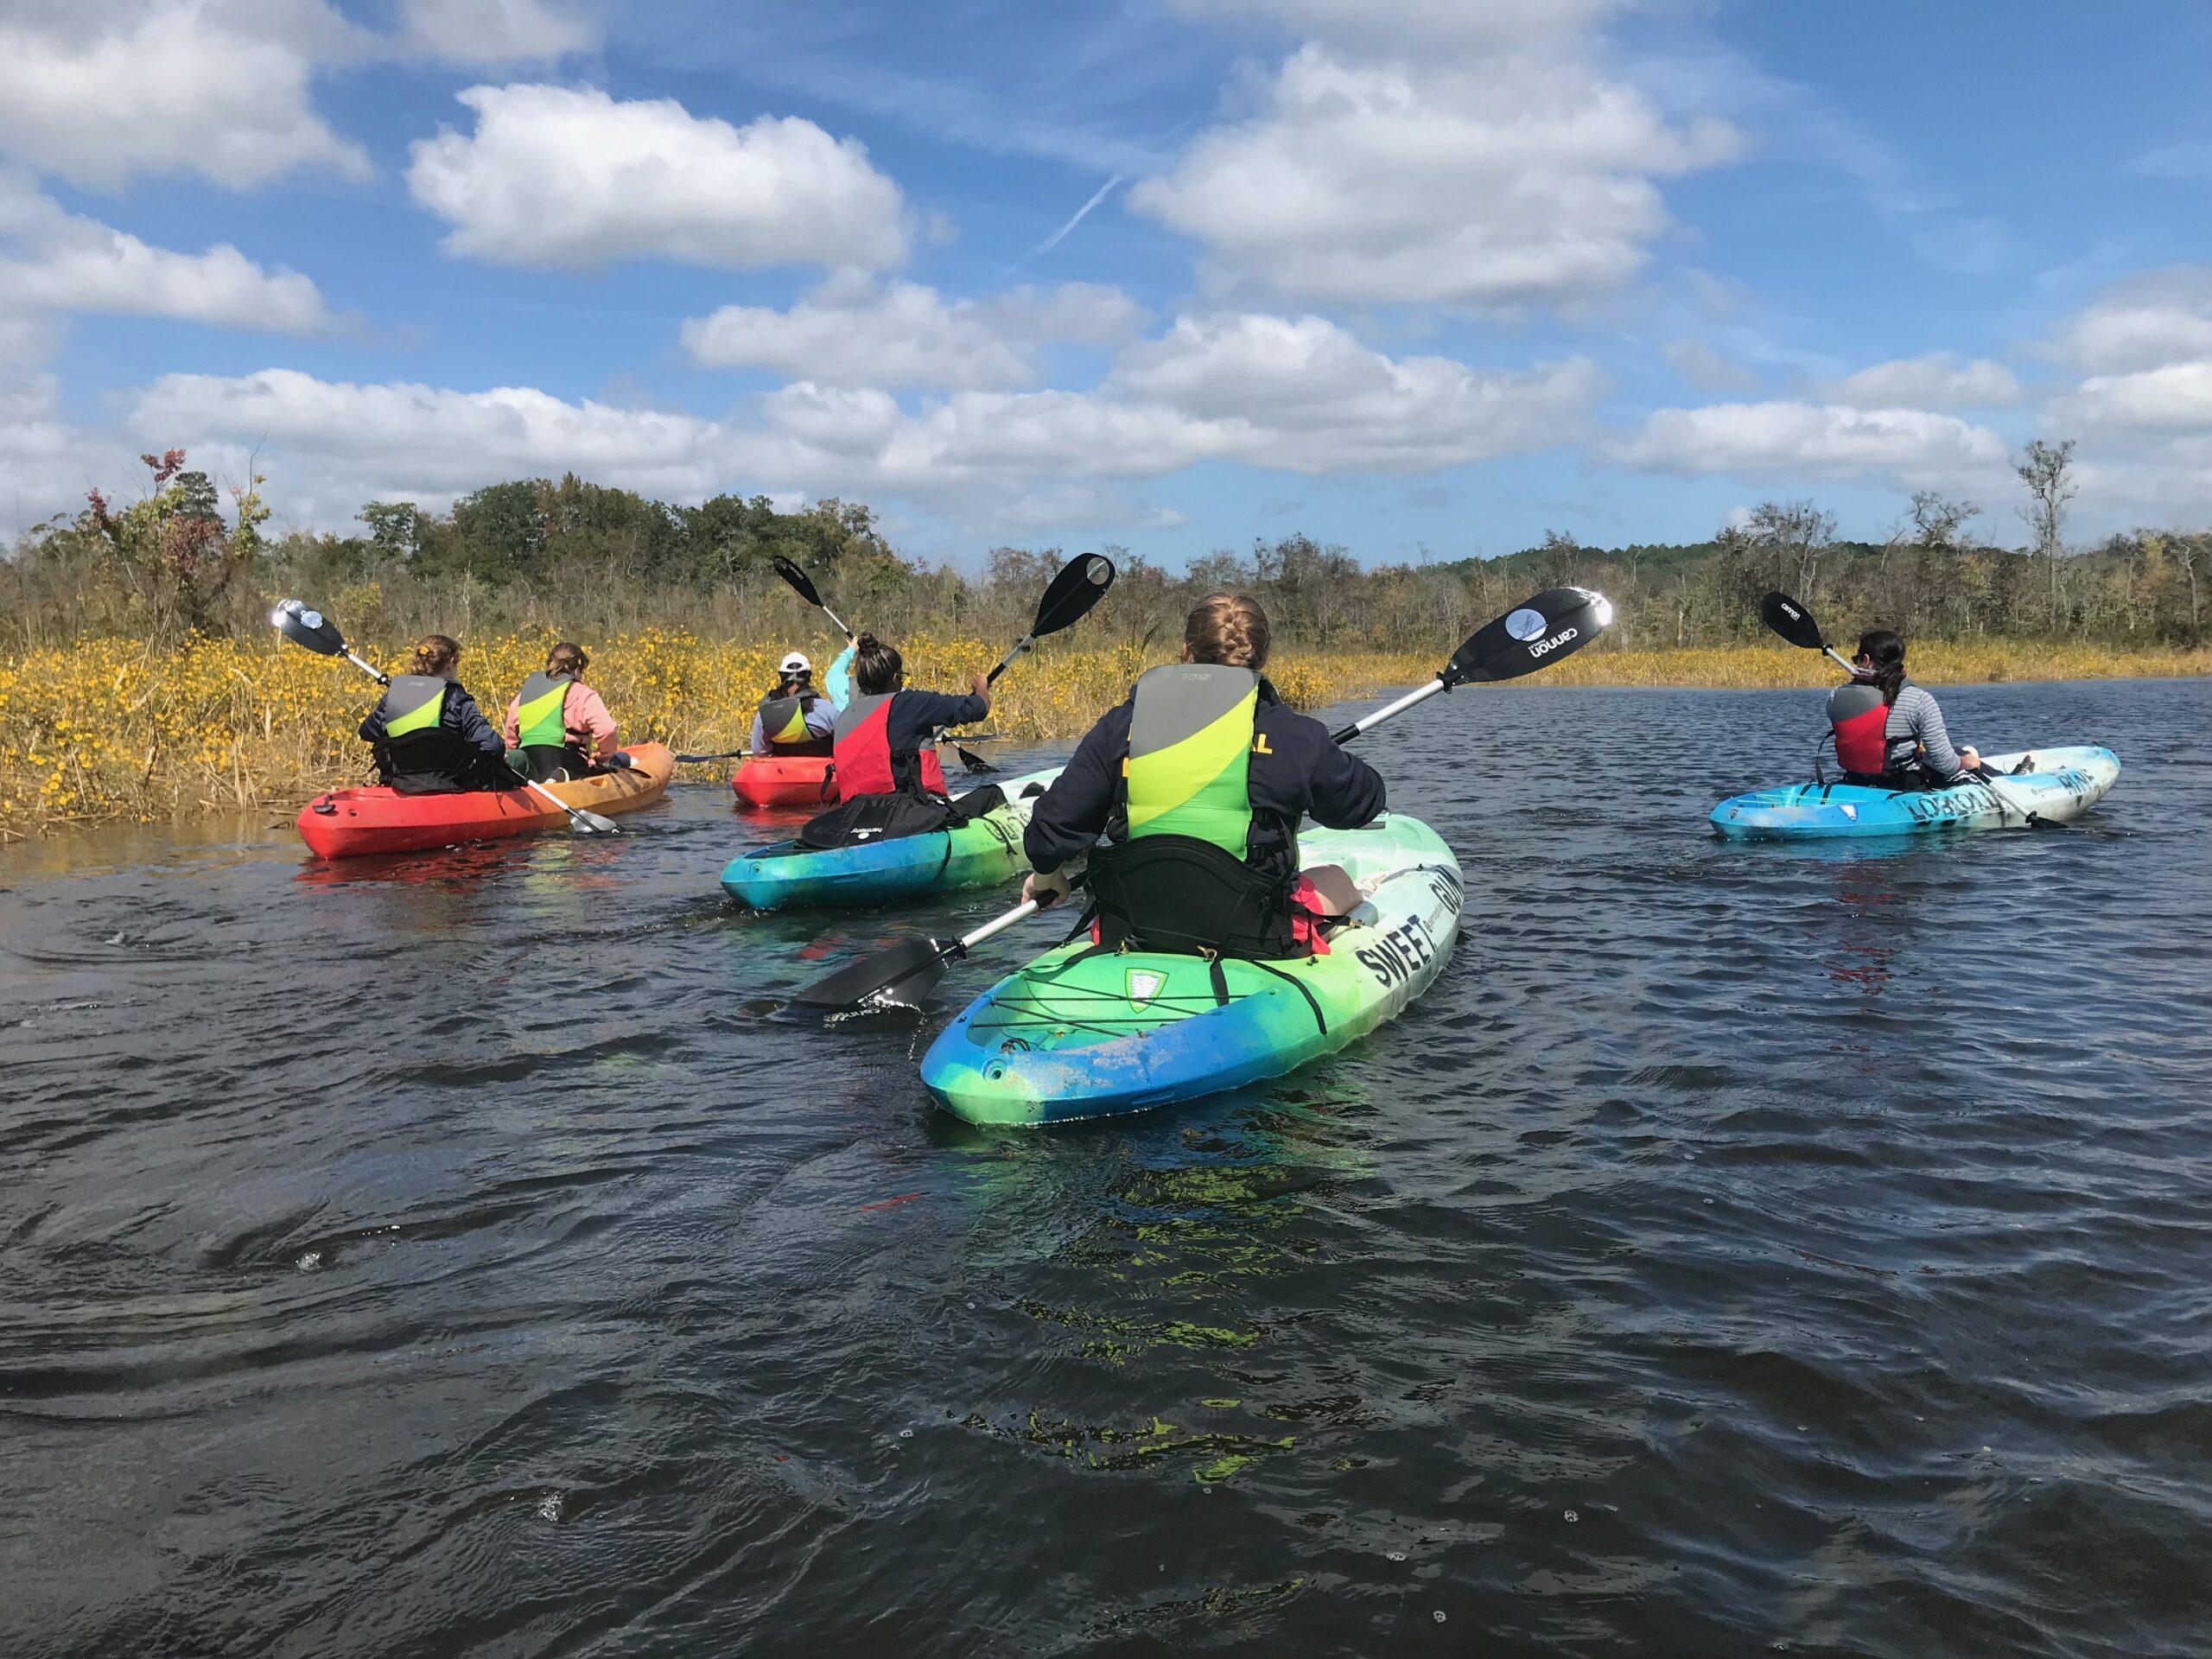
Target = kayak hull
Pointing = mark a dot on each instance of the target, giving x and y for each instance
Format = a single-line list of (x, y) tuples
[(783, 876), (784, 780), (2059, 785), (359, 822), (1074, 1036)]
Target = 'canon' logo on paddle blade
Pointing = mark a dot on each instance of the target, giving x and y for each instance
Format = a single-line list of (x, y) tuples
[(1544, 647), (1525, 624)]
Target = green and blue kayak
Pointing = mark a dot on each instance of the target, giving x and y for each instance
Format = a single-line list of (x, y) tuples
[(1076, 1034), (2057, 785), (786, 876)]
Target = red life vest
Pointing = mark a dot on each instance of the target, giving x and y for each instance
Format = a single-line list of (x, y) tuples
[(1861, 720), (865, 762)]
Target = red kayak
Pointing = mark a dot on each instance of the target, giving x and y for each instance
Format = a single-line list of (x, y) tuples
[(785, 780), (351, 823)]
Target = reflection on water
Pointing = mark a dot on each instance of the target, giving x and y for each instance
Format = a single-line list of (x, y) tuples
[(1740, 1248)]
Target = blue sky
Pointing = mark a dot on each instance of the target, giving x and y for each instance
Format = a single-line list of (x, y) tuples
[(1428, 276)]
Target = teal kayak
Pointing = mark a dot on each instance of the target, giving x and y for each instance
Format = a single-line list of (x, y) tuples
[(1076, 1034), (785, 876), (2057, 785)]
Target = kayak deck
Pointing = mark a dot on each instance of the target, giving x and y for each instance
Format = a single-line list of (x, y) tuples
[(2061, 784), (1080, 1034), (784, 780), (784, 876), (363, 822)]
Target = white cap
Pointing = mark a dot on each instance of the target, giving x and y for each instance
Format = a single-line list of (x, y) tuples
[(794, 663)]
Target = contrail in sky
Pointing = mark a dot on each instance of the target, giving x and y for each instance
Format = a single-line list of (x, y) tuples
[(1081, 214)]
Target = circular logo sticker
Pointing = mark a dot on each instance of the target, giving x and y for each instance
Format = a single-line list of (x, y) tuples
[(1525, 624)]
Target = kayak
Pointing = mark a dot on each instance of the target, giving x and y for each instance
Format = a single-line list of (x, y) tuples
[(1076, 1034), (2057, 785), (785, 780), (785, 876), (353, 823)]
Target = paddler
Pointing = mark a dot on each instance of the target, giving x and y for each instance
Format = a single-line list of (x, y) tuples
[(885, 741), (1889, 733), (1199, 781), (794, 719), (557, 725), (428, 736)]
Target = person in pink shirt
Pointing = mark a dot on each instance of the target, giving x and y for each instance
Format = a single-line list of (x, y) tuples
[(558, 727)]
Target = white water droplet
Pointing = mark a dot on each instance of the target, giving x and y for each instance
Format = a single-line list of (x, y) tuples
[(309, 1261), (1397, 1554), (905, 1433), (1437, 1615), (1571, 1516), (549, 1507)]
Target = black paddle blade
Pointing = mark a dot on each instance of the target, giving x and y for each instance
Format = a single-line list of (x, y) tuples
[(305, 627), (1082, 582), (802, 584), (1554, 623), (907, 972), (1786, 617), (973, 764)]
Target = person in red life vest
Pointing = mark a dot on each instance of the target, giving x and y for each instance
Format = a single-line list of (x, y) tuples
[(428, 736), (1889, 733), (1198, 782), (887, 735), (557, 725)]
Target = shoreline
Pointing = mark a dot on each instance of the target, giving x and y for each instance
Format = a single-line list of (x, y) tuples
[(107, 730)]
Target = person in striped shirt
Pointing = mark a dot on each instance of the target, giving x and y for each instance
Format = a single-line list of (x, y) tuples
[(1889, 733)]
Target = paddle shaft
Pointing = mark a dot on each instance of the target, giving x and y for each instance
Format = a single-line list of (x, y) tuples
[(1417, 695)]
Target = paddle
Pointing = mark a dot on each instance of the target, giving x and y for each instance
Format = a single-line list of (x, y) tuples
[(1075, 589), (803, 585), (1786, 617), (319, 635), (1556, 623)]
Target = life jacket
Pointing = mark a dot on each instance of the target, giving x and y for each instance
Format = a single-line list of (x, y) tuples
[(865, 762), (783, 720), (1861, 720), (1180, 879), (542, 728), (418, 756)]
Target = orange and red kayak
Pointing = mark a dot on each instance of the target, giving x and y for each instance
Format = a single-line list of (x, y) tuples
[(785, 780), (353, 823)]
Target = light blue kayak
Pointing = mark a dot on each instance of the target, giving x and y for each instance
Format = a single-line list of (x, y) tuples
[(2058, 785), (1081, 1034), (784, 876)]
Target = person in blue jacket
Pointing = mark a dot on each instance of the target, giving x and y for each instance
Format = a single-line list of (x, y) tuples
[(428, 736), (1198, 782)]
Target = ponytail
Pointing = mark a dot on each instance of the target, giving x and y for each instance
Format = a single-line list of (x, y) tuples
[(876, 666), (435, 655), (1886, 650)]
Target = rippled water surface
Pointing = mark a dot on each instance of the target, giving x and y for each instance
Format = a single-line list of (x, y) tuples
[(1740, 1248)]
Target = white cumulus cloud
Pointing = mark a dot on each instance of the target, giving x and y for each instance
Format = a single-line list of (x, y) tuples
[(53, 261), (852, 331), (485, 32), (562, 176), (1937, 380), (1809, 439), (1421, 153), (2150, 319)]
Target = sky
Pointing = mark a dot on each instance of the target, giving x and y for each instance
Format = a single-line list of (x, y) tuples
[(1424, 277)]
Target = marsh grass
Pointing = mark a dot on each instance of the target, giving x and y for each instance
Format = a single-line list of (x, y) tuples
[(108, 729)]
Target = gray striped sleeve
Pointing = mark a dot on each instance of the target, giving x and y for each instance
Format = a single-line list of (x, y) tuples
[(1914, 714)]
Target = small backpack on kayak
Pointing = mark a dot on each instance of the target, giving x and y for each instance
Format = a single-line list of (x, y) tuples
[(891, 817)]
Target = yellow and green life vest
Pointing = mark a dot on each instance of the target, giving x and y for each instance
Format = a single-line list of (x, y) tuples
[(1191, 754), (540, 718), (413, 703)]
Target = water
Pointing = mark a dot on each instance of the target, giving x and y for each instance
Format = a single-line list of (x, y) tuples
[(1740, 1248)]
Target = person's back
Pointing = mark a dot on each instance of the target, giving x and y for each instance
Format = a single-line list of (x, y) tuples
[(885, 736), (1890, 733), (1198, 782), (558, 726), (794, 719), (427, 735)]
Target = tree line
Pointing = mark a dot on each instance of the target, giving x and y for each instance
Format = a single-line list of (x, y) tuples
[(582, 558)]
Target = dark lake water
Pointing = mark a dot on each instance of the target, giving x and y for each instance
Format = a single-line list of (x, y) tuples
[(1740, 1249)]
